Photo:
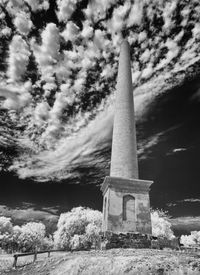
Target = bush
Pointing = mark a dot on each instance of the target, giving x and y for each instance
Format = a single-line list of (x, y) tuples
[(25, 238), (6, 230), (31, 236), (191, 240), (6, 226), (78, 229), (161, 227)]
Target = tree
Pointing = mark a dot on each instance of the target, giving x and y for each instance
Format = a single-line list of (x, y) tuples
[(78, 229), (28, 237), (191, 240), (161, 227), (5, 225), (32, 236), (6, 230)]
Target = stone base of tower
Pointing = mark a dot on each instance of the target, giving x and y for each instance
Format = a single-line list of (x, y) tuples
[(125, 240), (126, 206)]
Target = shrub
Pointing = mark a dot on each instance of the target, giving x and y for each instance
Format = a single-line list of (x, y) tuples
[(78, 229), (191, 240), (161, 227), (5, 225), (28, 237), (6, 230), (31, 236)]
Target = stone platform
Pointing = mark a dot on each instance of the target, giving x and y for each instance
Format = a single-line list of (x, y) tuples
[(125, 240), (126, 206)]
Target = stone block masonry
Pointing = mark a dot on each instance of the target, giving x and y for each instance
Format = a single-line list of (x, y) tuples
[(129, 240), (124, 146), (126, 205)]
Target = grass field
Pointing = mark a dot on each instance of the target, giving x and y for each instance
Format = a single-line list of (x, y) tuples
[(110, 262)]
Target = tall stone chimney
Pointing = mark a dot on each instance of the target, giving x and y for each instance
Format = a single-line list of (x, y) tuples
[(126, 206), (124, 147)]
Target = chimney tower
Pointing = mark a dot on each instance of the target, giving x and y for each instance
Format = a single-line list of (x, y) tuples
[(124, 147), (126, 206)]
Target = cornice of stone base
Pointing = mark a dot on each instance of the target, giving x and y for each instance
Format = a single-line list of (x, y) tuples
[(126, 185)]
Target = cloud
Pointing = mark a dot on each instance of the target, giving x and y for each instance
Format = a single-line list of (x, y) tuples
[(186, 223), (38, 4), (96, 10), (107, 71), (76, 76), (13, 5), (41, 112), (136, 14), (173, 49), (168, 13), (79, 147), (30, 213), (99, 39), (145, 56), (117, 22), (48, 53), (176, 150), (147, 72), (23, 23), (70, 152), (49, 86), (15, 97), (5, 32), (65, 9), (18, 58), (196, 30), (142, 36), (191, 200), (2, 14), (87, 30), (71, 31)]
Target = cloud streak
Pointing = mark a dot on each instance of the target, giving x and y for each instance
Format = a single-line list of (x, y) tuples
[(71, 67)]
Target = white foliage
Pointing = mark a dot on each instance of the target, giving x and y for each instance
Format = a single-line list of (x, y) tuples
[(32, 236), (5, 225), (28, 237), (191, 240), (78, 227), (161, 227)]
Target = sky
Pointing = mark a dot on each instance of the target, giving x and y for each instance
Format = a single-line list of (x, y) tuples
[(58, 69)]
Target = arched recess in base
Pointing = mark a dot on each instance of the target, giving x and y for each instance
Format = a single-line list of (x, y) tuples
[(128, 208)]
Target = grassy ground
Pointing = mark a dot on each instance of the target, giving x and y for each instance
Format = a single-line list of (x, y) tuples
[(110, 262)]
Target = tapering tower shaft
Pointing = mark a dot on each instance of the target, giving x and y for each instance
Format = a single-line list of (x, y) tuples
[(124, 161), (126, 205)]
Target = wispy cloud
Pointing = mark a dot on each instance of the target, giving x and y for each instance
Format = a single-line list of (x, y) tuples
[(18, 58), (67, 107), (186, 223)]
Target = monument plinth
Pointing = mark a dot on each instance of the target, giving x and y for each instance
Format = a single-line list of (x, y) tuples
[(126, 206)]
